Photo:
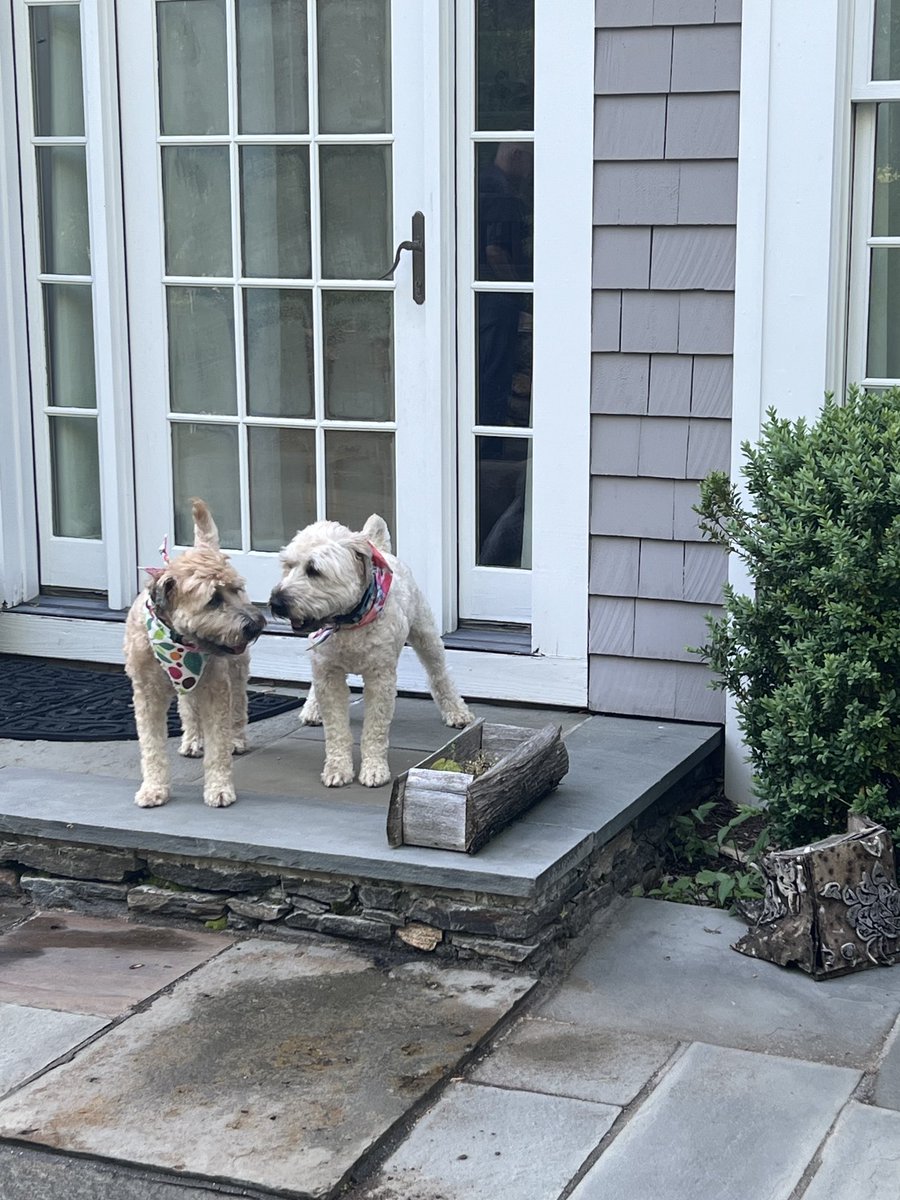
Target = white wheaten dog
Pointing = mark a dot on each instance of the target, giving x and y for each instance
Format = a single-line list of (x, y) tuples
[(360, 605), (186, 635)]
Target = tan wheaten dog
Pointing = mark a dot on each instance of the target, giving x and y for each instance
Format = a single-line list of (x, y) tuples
[(360, 605), (186, 635)]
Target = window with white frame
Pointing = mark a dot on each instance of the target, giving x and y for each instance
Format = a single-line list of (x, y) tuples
[(873, 350)]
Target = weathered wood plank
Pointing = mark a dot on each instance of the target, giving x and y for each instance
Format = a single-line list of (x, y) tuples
[(512, 785), (501, 739), (464, 745), (434, 809), (458, 811)]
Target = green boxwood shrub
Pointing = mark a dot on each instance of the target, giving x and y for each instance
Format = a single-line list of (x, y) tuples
[(813, 657)]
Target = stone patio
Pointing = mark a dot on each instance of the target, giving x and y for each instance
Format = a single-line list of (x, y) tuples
[(293, 855)]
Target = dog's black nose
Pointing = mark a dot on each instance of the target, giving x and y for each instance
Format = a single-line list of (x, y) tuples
[(253, 626), (278, 606)]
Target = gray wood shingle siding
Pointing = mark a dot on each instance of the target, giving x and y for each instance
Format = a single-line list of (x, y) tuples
[(667, 74)]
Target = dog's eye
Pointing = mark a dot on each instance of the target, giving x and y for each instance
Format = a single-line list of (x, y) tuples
[(215, 600), (312, 570)]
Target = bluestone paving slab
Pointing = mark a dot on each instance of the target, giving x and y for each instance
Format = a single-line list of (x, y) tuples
[(92, 758), (619, 766), (489, 1142), (887, 1081), (27, 1173), (293, 765), (722, 1123), (565, 1060), (668, 971), (331, 835), (32, 1038), (861, 1159), (274, 1066), (74, 963), (417, 724)]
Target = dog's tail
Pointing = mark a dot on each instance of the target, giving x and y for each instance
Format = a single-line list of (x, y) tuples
[(206, 534), (377, 532)]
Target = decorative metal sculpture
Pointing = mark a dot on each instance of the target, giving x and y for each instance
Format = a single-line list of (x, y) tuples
[(830, 907)]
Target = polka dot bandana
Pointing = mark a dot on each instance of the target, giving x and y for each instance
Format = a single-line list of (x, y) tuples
[(181, 661)]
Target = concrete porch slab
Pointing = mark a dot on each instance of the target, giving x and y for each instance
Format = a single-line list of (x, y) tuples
[(745, 1125), (286, 818), (79, 964), (483, 1142), (31, 1039), (275, 1067), (648, 949)]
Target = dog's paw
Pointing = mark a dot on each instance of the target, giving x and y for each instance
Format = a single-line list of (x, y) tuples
[(150, 796), (309, 714), (239, 744), (457, 716), (375, 773), (337, 774), (191, 746), (219, 797)]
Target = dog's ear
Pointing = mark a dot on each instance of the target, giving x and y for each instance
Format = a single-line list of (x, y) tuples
[(206, 534), (376, 531), (362, 548), (162, 590)]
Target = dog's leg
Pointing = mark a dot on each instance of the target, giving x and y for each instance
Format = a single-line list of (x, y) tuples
[(425, 640), (152, 697), (333, 697), (215, 714), (191, 736), (239, 669), (380, 695), (310, 713)]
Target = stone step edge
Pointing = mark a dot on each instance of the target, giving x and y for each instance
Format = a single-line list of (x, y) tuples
[(251, 899)]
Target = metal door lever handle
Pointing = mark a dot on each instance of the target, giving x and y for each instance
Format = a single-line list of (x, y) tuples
[(416, 245)]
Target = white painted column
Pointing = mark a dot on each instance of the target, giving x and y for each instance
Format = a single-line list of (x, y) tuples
[(792, 208)]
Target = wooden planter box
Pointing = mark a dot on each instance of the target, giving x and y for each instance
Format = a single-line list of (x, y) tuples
[(457, 811)]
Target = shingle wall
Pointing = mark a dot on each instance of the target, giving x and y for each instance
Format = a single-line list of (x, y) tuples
[(667, 74)]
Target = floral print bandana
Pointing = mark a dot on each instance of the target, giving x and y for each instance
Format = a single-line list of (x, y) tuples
[(182, 661), (370, 606)]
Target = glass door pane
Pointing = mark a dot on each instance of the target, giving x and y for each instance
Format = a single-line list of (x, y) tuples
[(60, 288), (495, 157), (277, 185)]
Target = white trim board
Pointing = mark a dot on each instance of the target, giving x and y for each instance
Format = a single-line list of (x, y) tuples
[(529, 679), (791, 196), (18, 529)]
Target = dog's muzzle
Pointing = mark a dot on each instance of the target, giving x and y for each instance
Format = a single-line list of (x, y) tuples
[(252, 626), (278, 606)]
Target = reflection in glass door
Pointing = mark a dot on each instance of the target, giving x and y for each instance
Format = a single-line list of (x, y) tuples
[(60, 295), (276, 165), (496, 172)]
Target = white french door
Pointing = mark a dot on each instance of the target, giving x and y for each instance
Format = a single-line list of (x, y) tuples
[(275, 152)]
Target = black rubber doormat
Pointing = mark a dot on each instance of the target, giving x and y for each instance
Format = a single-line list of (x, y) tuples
[(47, 702)]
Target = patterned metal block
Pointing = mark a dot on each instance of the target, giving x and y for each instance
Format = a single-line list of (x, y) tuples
[(831, 907)]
